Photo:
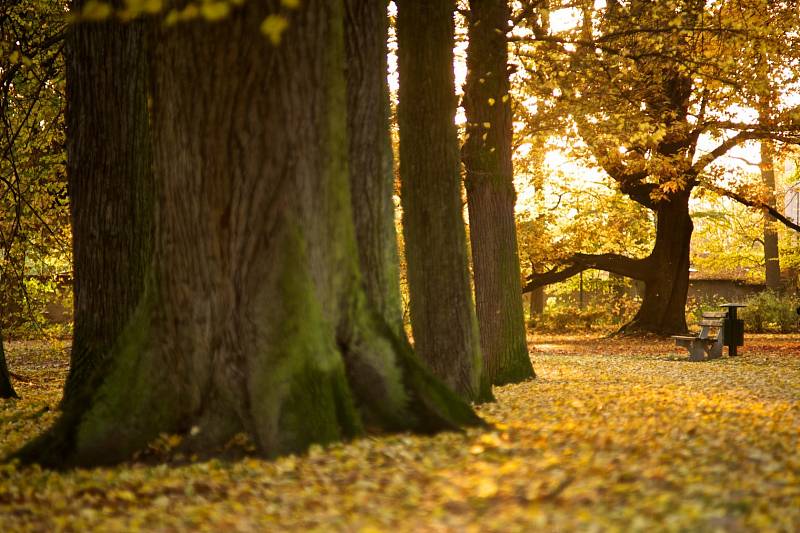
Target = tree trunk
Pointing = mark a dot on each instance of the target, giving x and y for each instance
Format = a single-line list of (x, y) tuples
[(491, 196), (666, 275), (370, 156), (772, 263), (253, 316), (442, 314), (110, 171), (12, 285), (537, 301), (6, 388)]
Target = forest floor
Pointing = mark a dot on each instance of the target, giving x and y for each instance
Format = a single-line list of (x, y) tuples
[(614, 435)]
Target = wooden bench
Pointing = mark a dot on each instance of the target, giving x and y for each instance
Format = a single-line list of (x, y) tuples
[(705, 344)]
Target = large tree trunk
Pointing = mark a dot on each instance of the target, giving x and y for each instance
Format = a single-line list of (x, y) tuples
[(772, 265), (110, 170), (442, 314), (666, 271), (491, 196), (6, 388), (253, 316), (370, 156)]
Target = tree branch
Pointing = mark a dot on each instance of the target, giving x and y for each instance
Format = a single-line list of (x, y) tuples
[(723, 148), (614, 263), (774, 213), (639, 192)]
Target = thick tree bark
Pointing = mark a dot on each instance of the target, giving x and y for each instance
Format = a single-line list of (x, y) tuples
[(6, 388), (110, 172), (442, 314), (667, 276), (370, 155), (253, 316), (491, 196), (772, 265)]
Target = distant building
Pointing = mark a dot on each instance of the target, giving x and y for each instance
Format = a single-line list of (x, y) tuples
[(731, 286), (792, 203)]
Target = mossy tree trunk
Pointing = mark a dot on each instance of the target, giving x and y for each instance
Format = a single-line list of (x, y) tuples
[(253, 317), (6, 388), (110, 172), (491, 196), (370, 155), (442, 313)]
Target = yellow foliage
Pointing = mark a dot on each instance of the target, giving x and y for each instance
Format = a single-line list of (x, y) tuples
[(94, 10), (614, 435), (214, 10), (273, 27)]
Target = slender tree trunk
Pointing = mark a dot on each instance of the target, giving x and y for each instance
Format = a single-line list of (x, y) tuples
[(110, 171), (771, 255), (666, 272), (442, 313), (253, 316), (370, 155), (6, 388), (491, 196), (12, 280)]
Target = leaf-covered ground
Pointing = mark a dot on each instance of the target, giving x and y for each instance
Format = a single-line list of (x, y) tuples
[(614, 435)]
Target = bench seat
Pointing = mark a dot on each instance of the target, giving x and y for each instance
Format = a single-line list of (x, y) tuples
[(704, 345)]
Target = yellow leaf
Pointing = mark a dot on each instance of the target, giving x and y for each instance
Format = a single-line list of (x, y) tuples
[(94, 10), (487, 125), (171, 18), (291, 4), (491, 101), (214, 10), (151, 6), (273, 27), (126, 495), (486, 488), (189, 12)]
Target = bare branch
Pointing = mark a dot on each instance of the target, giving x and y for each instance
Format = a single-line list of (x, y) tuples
[(777, 215)]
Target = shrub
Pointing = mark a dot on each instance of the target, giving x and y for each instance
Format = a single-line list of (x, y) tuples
[(696, 308), (771, 312), (565, 316)]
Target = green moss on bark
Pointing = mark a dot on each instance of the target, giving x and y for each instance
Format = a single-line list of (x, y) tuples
[(372, 368), (136, 400), (298, 389)]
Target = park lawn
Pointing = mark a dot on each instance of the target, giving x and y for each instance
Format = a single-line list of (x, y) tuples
[(614, 435)]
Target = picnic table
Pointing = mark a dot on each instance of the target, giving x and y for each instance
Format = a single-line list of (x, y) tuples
[(718, 329)]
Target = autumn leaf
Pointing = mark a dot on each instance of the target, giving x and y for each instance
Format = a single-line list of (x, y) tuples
[(273, 27), (614, 434)]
